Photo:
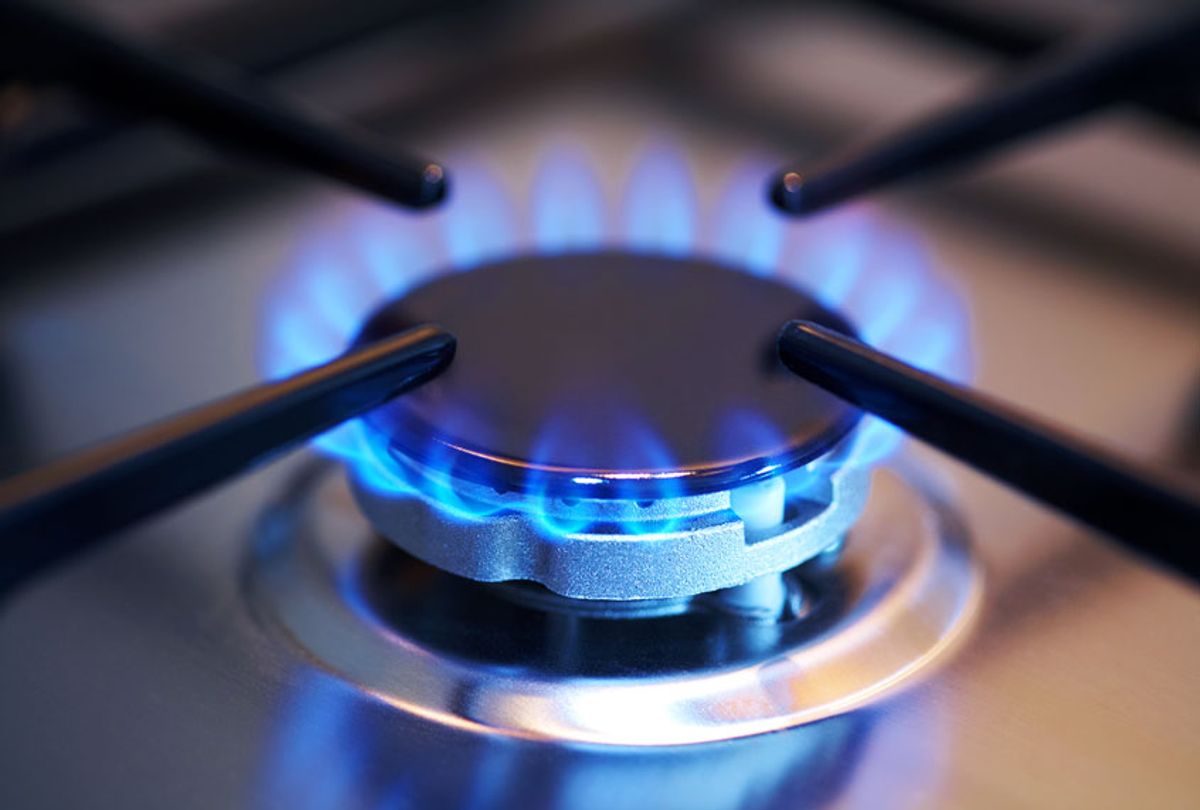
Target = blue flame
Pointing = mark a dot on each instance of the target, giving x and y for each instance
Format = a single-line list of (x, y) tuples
[(545, 504), (479, 223), (394, 260), (873, 270), (660, 203), (568, 207), (742, 428), (748, 234), (828, 255)]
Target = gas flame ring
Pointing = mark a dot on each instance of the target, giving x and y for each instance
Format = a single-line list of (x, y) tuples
[(853, 261)]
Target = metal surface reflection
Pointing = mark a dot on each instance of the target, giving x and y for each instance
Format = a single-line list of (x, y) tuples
[(335, 747)]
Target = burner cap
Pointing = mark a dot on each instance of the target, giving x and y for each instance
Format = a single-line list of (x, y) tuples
[(610, 375)]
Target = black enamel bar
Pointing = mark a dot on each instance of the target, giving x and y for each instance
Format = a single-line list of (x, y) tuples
[(208, 100), (66, 507), (1134, 506), (1138, 62)]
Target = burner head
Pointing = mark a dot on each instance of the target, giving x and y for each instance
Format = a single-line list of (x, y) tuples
[(610, 375), (623, 426)]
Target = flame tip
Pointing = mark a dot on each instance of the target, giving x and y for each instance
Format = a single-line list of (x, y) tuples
[(850, 258)]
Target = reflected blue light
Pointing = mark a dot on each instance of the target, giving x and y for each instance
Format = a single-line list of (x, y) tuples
[(332, 745), (568, 208), (314, 762), (878, 274), (660, 203)]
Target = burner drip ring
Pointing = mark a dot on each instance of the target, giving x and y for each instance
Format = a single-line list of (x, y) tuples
[(454, 652)]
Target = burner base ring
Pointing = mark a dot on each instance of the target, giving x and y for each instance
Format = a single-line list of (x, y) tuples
[(903, 591), (663, 549)]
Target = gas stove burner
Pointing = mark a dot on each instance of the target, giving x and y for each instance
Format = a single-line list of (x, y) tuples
[(622, 422), (616, 518), (515, 660)]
